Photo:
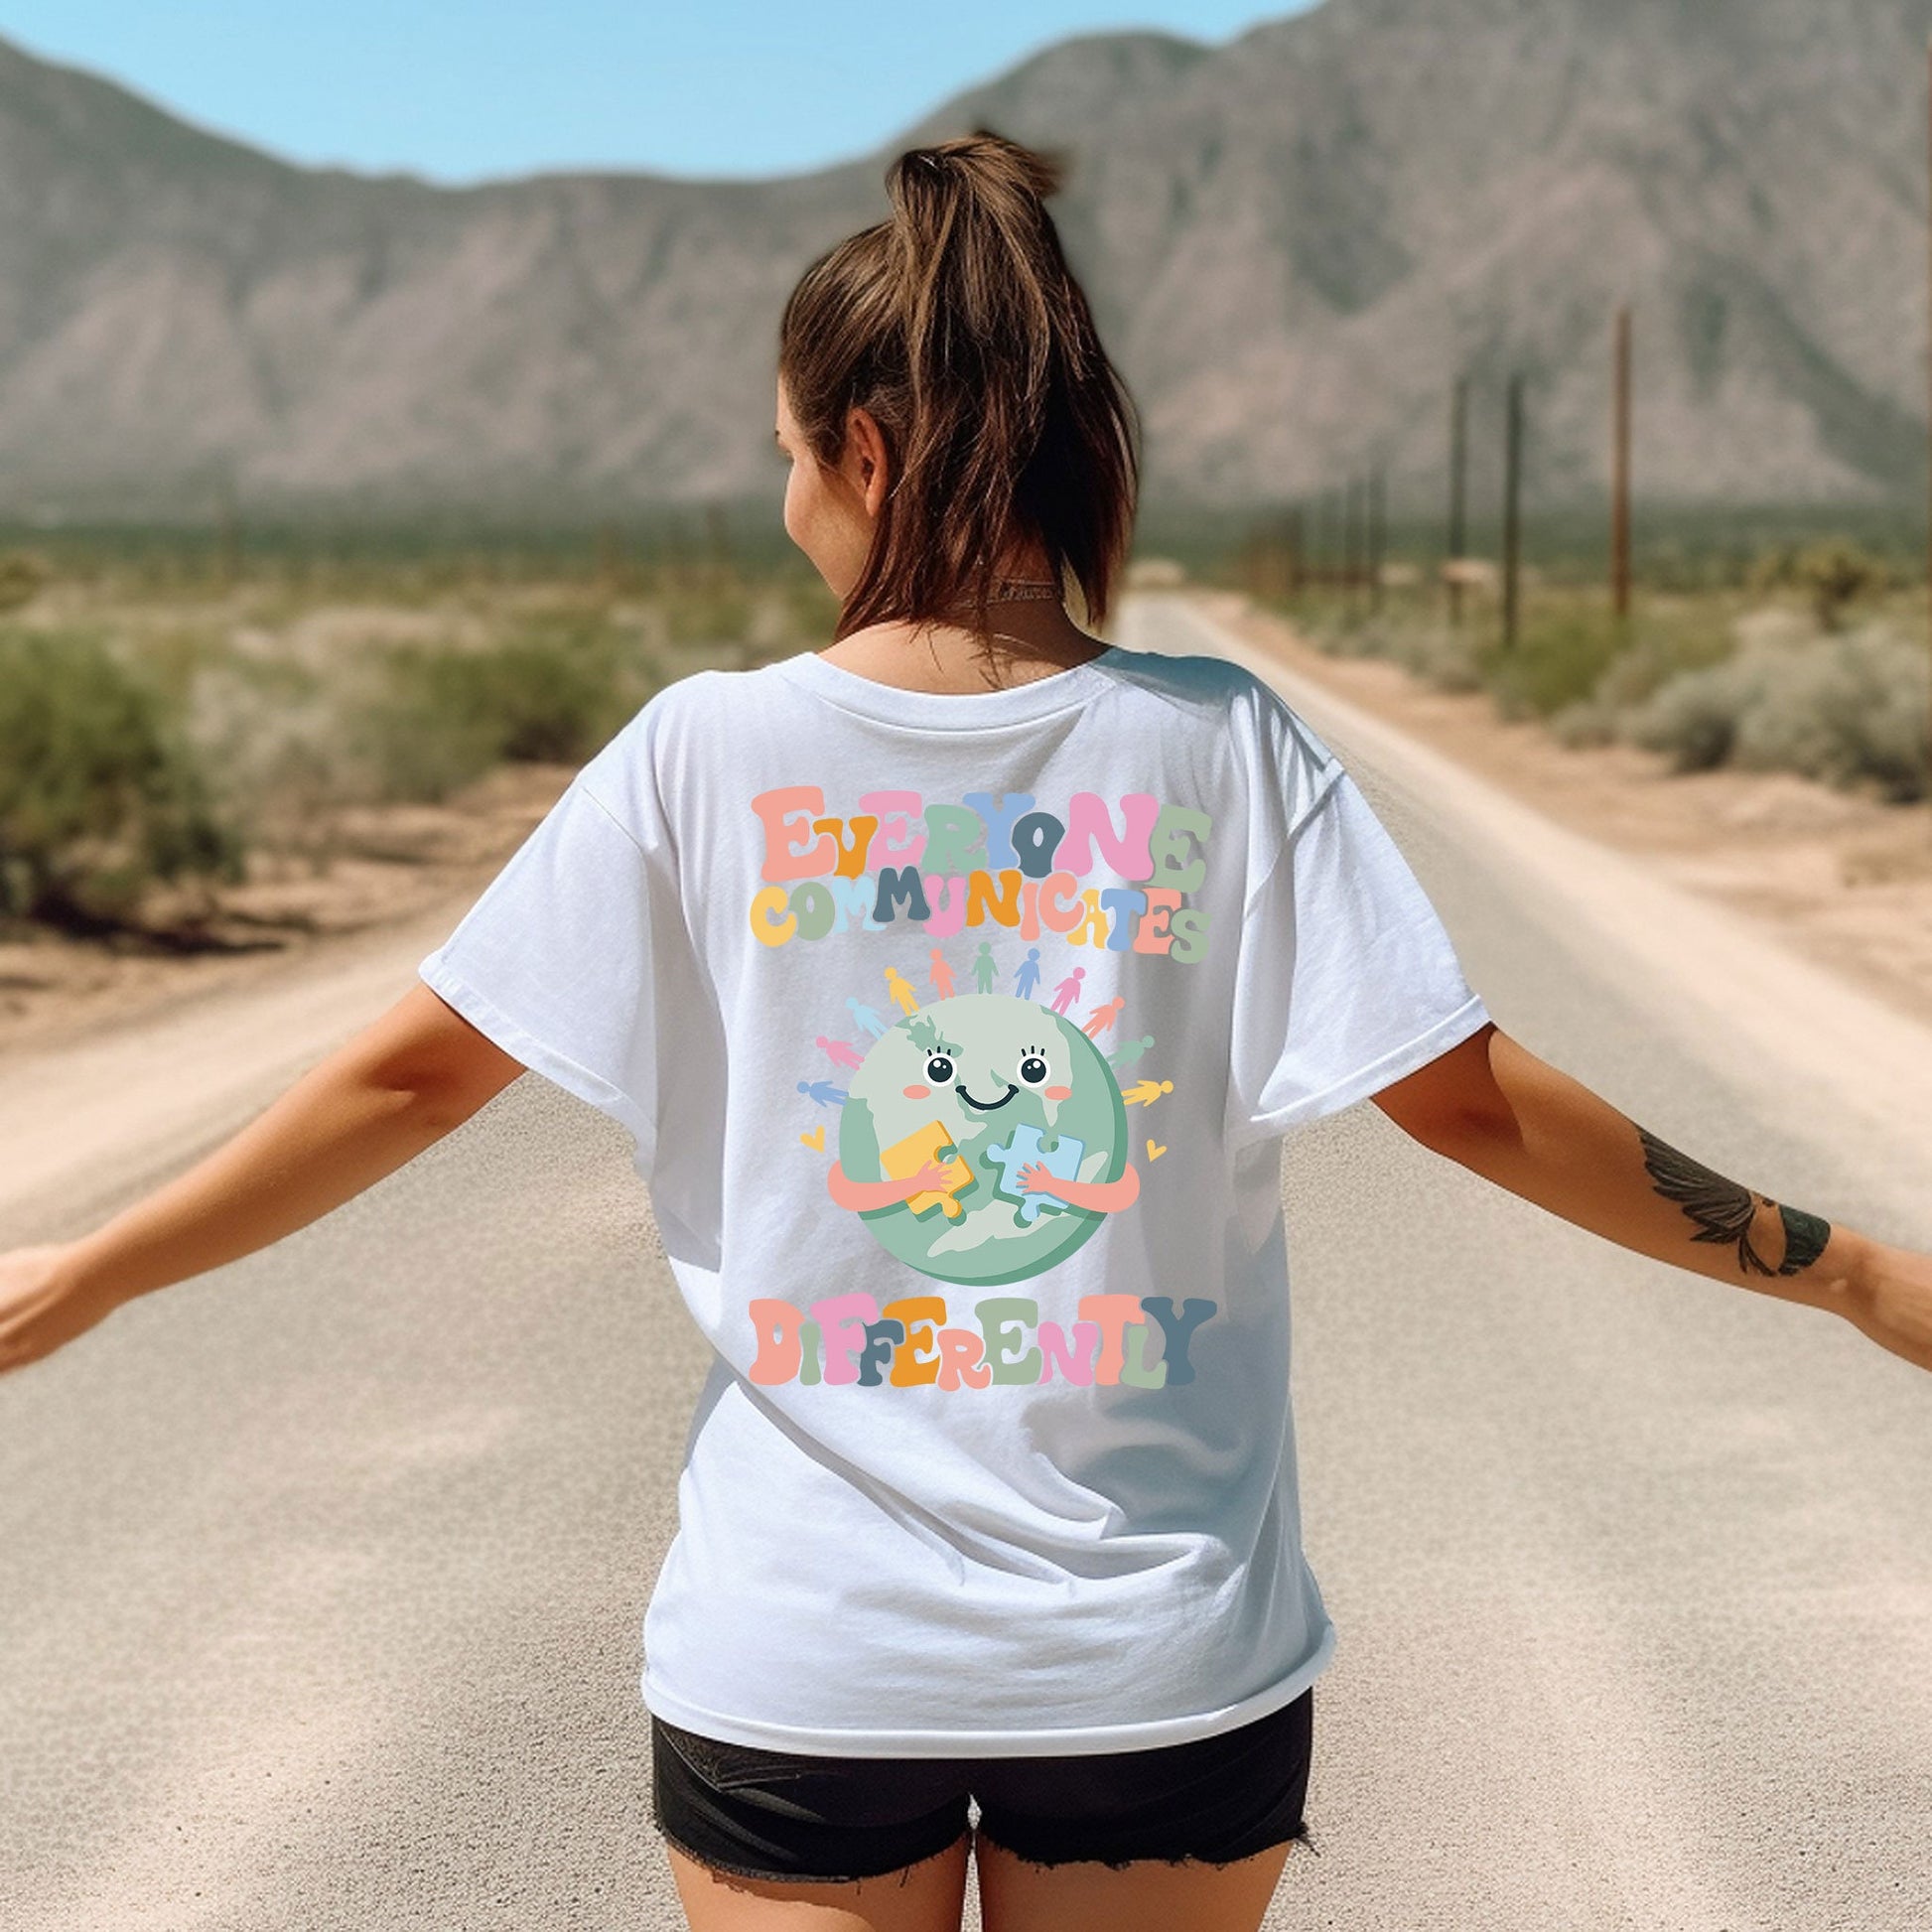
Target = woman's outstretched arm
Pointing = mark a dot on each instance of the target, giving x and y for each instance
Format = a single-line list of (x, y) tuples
[(401, 1084), (1492, 1106)]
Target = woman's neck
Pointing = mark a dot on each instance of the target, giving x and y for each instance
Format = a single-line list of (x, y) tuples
[(1034, 638)]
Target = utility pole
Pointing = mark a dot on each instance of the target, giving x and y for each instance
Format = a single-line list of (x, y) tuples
[(1294, 558), (1377, 536), (1458, 492), (1512, 515), (1621, 474), (227, 529), (1928, 537), (1351, 539)]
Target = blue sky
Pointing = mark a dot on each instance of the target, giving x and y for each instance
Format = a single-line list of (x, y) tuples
[(460, 94)]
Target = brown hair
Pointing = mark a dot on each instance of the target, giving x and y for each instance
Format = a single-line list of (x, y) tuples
[(958, 326)]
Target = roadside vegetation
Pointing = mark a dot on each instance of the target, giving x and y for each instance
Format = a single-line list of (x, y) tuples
[(169, 726), (176, 722), (1812, 659)]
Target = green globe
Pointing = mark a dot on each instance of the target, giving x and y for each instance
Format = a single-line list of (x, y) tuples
[(1002, 1082)]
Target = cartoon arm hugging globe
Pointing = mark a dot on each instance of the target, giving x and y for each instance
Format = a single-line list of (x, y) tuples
[(982, 1138)]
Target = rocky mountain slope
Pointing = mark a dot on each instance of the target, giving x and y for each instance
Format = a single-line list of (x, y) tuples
[(1293, 241)]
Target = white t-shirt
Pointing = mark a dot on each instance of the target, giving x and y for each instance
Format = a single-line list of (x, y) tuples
[(981, 1466)]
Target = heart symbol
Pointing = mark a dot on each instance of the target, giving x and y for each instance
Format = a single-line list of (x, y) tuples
[(1155, 1150), (816, 1138)]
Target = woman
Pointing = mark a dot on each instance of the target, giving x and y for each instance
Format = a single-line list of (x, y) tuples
[(958, 983)]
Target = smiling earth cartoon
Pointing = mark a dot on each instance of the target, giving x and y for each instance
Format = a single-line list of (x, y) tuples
[(983, 1140)]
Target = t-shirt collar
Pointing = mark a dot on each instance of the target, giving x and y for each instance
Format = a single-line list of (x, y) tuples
[(1011, 704)]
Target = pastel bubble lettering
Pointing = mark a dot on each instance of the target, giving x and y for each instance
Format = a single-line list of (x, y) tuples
[(1003, 1321), (843, 1319), (790, 850), (960, 1352)]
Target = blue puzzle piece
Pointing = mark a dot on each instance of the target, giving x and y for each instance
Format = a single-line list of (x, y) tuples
[(1062, 1160)]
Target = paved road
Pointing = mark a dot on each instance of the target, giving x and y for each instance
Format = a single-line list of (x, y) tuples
[(324, 1575)]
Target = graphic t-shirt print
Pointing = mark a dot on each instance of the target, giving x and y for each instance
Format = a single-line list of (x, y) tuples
[(980, 1080)]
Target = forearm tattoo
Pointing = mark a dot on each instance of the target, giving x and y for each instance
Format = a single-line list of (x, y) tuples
[(1724, 1211)]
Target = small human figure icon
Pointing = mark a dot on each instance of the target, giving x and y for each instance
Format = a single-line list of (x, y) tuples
[(864, 1015), (1068, 990), (1102, 1017)]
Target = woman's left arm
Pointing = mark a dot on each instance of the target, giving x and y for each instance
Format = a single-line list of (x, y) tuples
[(1492, 1106)]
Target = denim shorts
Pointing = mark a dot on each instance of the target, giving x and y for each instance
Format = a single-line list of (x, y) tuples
[(781, 1815)]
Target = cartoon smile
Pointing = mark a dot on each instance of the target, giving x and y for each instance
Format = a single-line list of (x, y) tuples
[(986, 1106)]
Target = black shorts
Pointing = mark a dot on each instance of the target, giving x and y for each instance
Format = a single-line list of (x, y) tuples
[(779, 1815)]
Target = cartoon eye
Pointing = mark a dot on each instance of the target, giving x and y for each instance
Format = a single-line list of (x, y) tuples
[(938, 1069), (1033, 1070)]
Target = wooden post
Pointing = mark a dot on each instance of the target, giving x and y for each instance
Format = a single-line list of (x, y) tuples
[(1294, 555), (1512, 515), (1377, 536), (227, 530), (1621, 474), (1459, 490), (1351, 539)]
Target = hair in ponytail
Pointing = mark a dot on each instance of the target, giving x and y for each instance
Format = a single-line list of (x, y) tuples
[(958, 326)]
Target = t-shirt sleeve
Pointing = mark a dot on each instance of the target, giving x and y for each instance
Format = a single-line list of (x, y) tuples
[(1348, 977), (562, 961)]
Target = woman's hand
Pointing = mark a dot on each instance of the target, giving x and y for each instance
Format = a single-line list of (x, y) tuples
[(1891, 1302), (399, 1085), (41, 1305)]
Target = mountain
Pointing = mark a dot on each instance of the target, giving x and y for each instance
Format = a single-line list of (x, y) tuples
[(1293, 241)]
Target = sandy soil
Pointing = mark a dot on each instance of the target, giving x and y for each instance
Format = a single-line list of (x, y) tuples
[(1846, 880)]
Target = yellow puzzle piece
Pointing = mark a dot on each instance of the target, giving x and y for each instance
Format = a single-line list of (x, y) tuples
[(908, 1155)]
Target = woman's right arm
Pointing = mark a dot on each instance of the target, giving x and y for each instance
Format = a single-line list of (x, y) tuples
[(396, 1088)]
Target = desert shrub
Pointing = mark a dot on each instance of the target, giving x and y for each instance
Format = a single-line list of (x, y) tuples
[(1663, 642), (1848, 710), (23, 575), (1833, 575), (1558, 659), (443, 715), (1444, 657), (99, 796)]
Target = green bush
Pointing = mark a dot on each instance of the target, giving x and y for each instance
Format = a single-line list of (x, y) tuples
[(1558, 659), (98, 796), (444, 715), (23, 575), (1835, 575), (1847, 710)]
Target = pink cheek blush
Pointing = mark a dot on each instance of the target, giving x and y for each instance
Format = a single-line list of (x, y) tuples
[(1058, 1093), (915, 1093)]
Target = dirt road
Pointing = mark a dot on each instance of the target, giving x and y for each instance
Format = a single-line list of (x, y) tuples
[(325, 1573)]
